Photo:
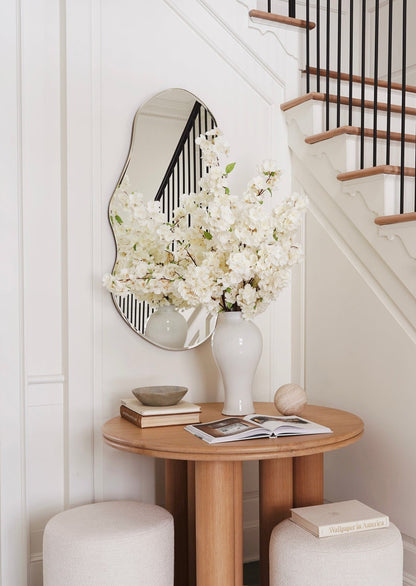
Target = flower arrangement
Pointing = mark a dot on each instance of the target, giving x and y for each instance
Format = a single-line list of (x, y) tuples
[(145, 265), (224, 251)]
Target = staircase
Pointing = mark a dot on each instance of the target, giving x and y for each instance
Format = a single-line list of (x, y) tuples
[(353, 150)]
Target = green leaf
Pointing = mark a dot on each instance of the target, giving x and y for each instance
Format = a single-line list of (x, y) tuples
[(229, 305), (111, 220), (227, 191), (207, 235), (228, 290), (268, 189), (119, 220), (229, 167), (275, 236)]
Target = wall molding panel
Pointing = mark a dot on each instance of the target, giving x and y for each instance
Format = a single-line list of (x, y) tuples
[(13, 530), (75, 76)]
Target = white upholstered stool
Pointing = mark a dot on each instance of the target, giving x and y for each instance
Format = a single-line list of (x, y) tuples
[(115, 543), (365, 558)]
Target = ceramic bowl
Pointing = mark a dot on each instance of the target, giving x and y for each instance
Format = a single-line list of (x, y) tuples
[(159, 396)]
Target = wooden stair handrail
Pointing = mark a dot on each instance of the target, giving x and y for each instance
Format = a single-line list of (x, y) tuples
[(395, 219), (357, 79), (281, 19)]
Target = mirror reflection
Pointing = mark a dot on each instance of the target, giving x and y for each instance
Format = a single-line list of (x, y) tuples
[(162, 164)]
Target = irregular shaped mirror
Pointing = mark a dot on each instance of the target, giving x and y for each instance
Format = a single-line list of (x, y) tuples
[(163, 163)]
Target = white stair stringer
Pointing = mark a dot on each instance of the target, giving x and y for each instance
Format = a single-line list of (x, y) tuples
[(349, 211), (378, 192), (369, 263)]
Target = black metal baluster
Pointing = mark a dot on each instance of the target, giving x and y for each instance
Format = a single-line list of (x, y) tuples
[(128, 307), (376, 36), (292, 8), (339, 65), (200, 152), (389, 68), (318, 45), (328, 55), (363, 31), (178, 185), (143, 316), (351, 62), (139, 318), (188, 152), (269, 5), (403, 117), (308, 85), (194, 154), (183, 172)]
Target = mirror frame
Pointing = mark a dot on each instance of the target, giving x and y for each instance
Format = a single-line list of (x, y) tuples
[(116, 298)]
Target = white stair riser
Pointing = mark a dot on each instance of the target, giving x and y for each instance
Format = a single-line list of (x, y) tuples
[(311, 117), (382, 193), (345, 152), (395, 119), (396, 95)]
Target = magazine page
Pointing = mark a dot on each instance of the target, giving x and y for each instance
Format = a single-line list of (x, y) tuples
[(287, 424), (228, 429)]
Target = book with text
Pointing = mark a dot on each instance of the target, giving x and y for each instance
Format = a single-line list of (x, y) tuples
[(254, 426), (338, 518), (158, 420)]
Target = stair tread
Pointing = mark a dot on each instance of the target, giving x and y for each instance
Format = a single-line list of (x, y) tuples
[(395, 219), (358, 78), (356, 131), (378, 170), (298, 22), (344, 100)]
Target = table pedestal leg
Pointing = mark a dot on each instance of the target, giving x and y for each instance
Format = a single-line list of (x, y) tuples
[(219, 523), (179, 502), (276, 499), (191, 525), (308, 480)]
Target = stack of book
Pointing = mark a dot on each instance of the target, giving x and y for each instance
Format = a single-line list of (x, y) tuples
[(146, 416), (338, 518)]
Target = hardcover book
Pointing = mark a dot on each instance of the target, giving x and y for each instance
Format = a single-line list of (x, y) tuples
[(338, 518), (158, 420), (254, 426), (148, 410)]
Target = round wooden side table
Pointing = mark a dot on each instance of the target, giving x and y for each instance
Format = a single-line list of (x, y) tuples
[(204, 487)]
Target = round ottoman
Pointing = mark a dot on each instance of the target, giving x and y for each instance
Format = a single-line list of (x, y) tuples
[(365, 558), (115, 543)]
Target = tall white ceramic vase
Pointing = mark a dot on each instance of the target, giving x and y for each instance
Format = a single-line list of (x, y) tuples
[(236, 347), (167, 327)]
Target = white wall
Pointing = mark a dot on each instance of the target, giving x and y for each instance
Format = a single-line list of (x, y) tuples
[(359, 358), (75, 75)]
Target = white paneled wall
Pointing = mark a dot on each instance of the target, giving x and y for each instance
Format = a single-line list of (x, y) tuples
[(75, 75)]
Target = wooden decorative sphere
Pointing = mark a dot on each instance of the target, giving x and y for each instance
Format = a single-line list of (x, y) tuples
[(290, 399)]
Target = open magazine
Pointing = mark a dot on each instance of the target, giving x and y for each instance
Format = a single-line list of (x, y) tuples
[(254, 426)]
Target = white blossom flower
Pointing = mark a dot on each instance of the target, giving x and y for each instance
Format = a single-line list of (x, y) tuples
[(221, 250)]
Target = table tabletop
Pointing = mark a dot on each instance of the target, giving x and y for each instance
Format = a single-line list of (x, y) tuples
[(174, 442)]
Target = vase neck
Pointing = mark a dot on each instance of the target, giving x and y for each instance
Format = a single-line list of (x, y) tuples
[(165, 308), (230, 315)]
